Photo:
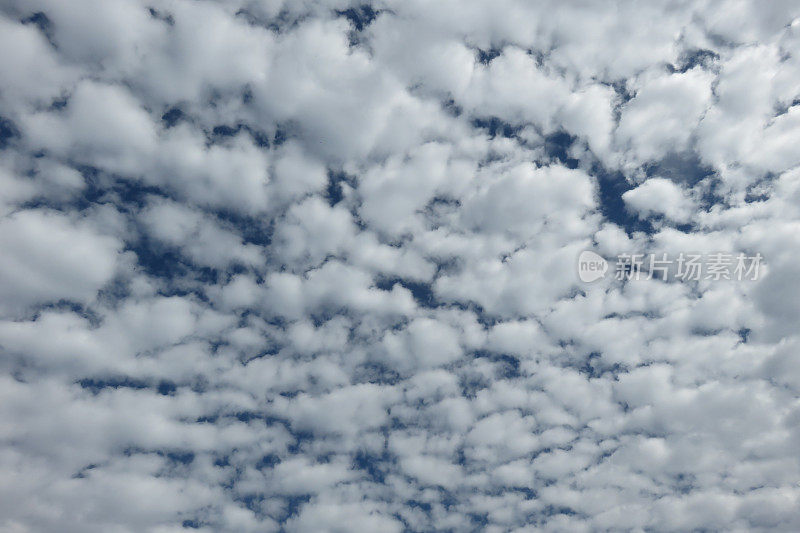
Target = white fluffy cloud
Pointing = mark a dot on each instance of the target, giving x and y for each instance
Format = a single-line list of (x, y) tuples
[(310, 266), (47, 258), (659, 196)]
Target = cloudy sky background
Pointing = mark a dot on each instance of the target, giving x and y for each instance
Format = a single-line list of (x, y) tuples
[(310, 266)]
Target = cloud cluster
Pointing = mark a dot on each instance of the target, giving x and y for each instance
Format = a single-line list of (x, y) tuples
[(310, 266)]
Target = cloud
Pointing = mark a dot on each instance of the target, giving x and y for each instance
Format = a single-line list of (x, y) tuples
[(659, 196), (310, 266), (49, 258)]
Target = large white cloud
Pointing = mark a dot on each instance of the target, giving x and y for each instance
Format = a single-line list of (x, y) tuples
[(310, 266), (47, 257)]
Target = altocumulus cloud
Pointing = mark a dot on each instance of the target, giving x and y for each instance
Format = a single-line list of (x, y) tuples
[(271, 265)]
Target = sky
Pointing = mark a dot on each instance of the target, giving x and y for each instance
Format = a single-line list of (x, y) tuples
[(313, 266)]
